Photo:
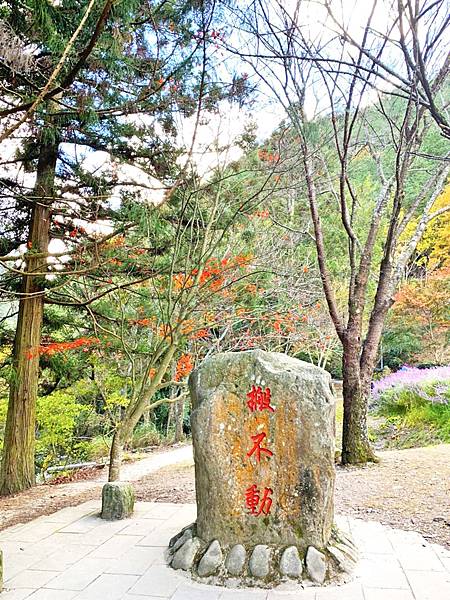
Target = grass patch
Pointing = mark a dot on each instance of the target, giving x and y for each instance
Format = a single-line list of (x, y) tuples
[(416, 416)]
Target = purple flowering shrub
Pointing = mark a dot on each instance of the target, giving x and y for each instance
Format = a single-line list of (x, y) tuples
[(417, 403), (431, 384)]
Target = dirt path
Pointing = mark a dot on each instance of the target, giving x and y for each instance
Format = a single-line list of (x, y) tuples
[(47, 499), (408, 489)]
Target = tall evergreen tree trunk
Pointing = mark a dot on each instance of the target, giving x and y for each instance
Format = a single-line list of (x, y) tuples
[(17, 469)]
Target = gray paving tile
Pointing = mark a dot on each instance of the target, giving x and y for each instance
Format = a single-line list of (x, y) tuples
[(52, 595), (157, 581), (79, 575), (140, 597), (302, 594), (161, 510), (13, 564), (82, 525), (384, 594), (16, 594), (33, 532), (14, 547), (31, 579), (158, 537), (137, 560), (379, 571), (191, 592), (60, 540), (142, 526), (116, 546), (94, 537), (244, 595), (349, 591), (415, 557), (427, 587), (110, 587), (76, 555), (63, 557)]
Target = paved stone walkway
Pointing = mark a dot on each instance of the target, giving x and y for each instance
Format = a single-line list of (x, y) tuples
[(74, 555)]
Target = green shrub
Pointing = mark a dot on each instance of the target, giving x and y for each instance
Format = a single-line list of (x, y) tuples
[(57, 416), (98, 448), (145, 434), (412, 409)]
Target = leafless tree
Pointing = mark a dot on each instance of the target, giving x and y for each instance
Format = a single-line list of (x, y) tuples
[(328, 79)]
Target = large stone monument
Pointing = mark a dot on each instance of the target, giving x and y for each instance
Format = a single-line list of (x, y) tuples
[(263, 435)]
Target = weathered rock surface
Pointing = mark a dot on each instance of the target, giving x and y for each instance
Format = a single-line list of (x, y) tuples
[(211, 560), (117, 501), (299, 432), (291, 563), (259, 563), (316, 565), (1, 570), (185, 555), (263, 436), (184, 537), (235, 561)]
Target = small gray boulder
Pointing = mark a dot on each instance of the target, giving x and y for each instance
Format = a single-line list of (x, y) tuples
[(184, 537), (236, 560), (291, 563), (211, 560), (117, 500), (259, 561), (184, 557), (316, 565)]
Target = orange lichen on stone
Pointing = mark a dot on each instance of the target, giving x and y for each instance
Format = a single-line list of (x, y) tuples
[(299, 433)]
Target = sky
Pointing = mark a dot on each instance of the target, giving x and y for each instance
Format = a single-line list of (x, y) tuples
[(221, 130)]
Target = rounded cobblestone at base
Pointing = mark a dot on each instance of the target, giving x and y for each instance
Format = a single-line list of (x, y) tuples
[(291, 563), (211, 560), (262, 565), (259, 563), (236, 558)]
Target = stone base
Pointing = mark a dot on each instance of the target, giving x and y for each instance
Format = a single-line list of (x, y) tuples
[(117, 501), (262, 565)]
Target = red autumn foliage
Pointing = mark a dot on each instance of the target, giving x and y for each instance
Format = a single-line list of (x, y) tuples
[(184, 367), (56, 347), (200, 334), (213, 274), (266, 156)]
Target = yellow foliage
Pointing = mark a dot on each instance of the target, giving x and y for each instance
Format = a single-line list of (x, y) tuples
[(435, 242)]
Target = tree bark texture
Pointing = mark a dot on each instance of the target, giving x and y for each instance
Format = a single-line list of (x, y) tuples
[(17, 469), (179, 414), (115, 457), (356, 448)]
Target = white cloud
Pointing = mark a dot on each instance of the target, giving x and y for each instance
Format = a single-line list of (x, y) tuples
[(128, 177)]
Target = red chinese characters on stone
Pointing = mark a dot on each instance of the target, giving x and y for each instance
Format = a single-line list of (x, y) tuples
[(259, 399), (257, 448), (256, 503)]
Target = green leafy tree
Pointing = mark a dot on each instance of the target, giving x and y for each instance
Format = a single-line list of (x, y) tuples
[(103, 77)]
